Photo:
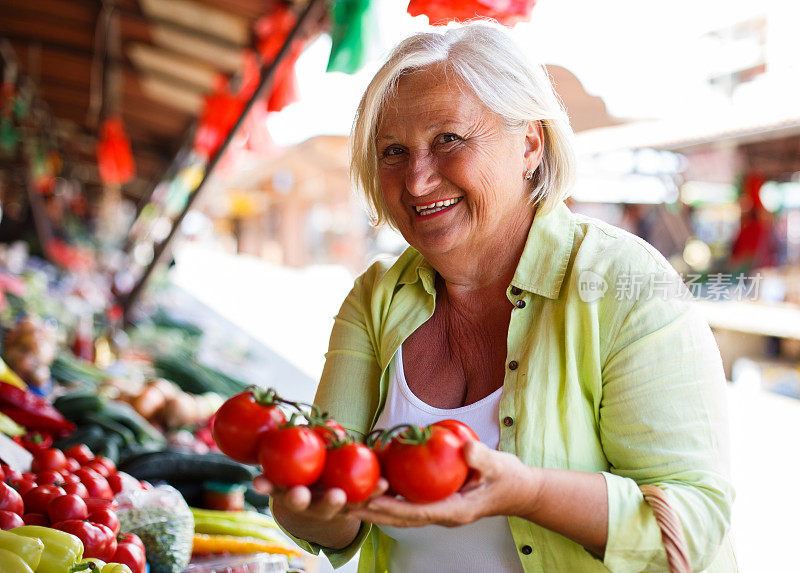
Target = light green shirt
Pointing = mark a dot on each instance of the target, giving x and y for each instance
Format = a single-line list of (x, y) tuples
[(624, 379)]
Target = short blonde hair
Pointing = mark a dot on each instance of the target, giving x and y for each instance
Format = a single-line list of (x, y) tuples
[(485, 59)]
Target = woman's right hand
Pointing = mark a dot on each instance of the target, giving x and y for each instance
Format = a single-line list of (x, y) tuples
[(319, 517)]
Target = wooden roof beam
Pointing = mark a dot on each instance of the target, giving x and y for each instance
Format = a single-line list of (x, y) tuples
[(200, 17), (178, 40), (171, 94), (168, 64)]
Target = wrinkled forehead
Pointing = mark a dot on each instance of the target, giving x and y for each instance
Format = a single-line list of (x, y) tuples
[(429, 93)]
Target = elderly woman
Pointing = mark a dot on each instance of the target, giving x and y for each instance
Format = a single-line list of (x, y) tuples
[(503, 314)]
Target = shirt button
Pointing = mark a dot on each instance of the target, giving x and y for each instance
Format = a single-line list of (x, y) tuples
[(513, 365), (516, 291), (520, 304), (526, 549), (508, 421)]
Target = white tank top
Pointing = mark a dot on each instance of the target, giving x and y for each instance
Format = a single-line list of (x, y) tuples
[(485, 545)]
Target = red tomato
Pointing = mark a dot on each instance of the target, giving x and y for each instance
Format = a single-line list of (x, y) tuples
[(10, 499), (330, 429), (291, 456), (460, 429), (130, 552), (9, 520), (3, 472), (107, 517), (72, 465), (70, 478), (111, 542), (22, 485), (239, 424), (352, 468), (115, 482), (96, 485), (428, 471), (36, 519), (29, 475), (11, 473), (95, 537), (96, 503), (99, 467), (50, 477), (33, 441), (80, 453), (131, 538), (48, 459), (77, 489), (67, 506), (38, 499), (107, 463)]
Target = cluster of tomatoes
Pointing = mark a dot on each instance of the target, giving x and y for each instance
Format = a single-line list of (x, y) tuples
[(420, 464), (73, 491)]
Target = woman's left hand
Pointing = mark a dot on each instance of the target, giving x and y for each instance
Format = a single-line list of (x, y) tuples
[(503, 486)]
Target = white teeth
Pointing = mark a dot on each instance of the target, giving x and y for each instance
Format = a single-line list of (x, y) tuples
[(435, 207)]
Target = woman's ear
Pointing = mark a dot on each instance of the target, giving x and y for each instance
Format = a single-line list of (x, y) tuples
[(534, 145)]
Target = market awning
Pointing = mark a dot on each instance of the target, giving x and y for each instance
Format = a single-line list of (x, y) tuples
[(169, 55)]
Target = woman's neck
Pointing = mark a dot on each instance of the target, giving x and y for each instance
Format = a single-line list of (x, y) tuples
[(481, 276)]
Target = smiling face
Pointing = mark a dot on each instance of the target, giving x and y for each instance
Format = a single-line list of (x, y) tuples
[(451, 173)]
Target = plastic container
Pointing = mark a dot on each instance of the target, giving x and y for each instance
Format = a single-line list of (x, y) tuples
[(253, 563)]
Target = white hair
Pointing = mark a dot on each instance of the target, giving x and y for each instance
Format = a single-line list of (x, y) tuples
[(486, 60)]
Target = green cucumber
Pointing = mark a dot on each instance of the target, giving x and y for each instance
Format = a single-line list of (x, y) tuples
[(128, 437), (130, 418), (110, 447), (186, 466), (85, 434), (74, 406)]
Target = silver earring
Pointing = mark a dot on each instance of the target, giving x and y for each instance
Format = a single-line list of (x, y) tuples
[(528, 175)]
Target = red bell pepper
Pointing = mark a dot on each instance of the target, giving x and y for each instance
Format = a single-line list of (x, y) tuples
[(130, 552), (31, 411), (97, 539)]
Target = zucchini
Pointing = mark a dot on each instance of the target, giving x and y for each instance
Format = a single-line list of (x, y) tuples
[(128, 437), (175, 466), (110, 447), (184, 369), (85, 434), (129, 452), (68, 369), (255, 498), (73, 406), (130, 418)]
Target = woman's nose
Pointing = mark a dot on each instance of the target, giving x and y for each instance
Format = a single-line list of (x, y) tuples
[(422, 176)]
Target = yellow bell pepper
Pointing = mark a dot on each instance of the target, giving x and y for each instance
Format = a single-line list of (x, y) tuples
[(9, 376), (10, 562), (29, 548)]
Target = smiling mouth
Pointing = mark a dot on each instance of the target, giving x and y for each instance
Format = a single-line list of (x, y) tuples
[(432, 208)]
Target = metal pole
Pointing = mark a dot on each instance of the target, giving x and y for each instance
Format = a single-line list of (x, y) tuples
[(267, 73)]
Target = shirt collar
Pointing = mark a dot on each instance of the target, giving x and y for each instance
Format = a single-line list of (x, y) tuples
[(547, 252), (544, 260), (420, 269)]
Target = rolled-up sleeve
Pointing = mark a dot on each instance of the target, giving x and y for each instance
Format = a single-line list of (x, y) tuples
[(663, 421)]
